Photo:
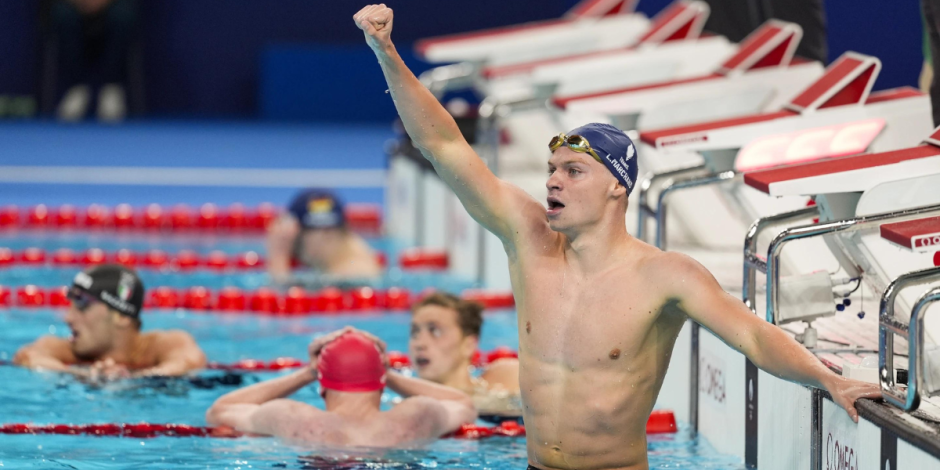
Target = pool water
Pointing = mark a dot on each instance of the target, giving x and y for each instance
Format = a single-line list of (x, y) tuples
[(48, 398)]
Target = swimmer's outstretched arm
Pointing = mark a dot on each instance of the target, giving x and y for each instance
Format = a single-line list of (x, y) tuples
[(46, 353), (500, 207), (701, 297)]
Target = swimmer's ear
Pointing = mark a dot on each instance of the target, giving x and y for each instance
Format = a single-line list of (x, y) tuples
[(469, 345), (121, 321), (618, 190)]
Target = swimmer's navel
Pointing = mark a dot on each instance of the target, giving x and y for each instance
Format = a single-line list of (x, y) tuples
[(614, 354), (528, 327)]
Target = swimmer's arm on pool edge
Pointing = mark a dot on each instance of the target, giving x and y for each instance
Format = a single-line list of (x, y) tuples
[(247, 409), (501, 207), (46, 353), (770, 348)]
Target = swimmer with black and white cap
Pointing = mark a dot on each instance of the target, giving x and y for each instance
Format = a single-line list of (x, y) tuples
[(445, 334), (351, 367), (598, 310), (314, 232), (106, 342)]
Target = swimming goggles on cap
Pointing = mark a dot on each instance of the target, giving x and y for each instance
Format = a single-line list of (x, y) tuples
[(575, 142), (80, 299)]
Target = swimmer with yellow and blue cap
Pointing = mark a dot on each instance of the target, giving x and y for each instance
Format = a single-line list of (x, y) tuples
[(598, 310), (314, 233)]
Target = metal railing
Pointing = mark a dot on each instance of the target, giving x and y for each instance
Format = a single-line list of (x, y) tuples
[(809, 231), (670, 183), (889, 326), (754, 263), (655, 182)]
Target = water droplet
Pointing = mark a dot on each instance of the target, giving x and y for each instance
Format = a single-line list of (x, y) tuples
[(386, 90)]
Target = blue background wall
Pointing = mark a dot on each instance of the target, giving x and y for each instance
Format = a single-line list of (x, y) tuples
[(204, 58)]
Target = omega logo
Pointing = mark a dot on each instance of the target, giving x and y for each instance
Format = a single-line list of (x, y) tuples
[(841, 456), (711, 380)]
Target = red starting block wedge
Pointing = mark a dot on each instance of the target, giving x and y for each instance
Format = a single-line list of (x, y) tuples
[(661, 421)]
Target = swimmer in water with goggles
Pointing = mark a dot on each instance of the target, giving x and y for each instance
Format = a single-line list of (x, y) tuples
[(105, 303)]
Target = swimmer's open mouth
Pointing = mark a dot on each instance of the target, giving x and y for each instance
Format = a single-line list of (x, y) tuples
[(422, 362), (554, 205)]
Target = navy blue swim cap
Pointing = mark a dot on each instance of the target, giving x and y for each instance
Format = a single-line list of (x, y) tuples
[(615, 150), (316, 208)]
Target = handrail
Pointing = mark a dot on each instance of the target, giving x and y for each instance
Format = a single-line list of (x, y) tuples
[(914, 331), (754, 263), (673, 186), (810, 231), (646, 185), (446, 77)]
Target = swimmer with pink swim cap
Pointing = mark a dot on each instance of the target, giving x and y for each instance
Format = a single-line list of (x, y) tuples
[(352, 370)]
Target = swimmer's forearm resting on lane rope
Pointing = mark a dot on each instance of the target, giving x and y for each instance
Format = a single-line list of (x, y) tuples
[(434, 132)]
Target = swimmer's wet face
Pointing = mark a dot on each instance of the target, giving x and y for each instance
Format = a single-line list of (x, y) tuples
[(438, 346), (93, 326), (579, 188)]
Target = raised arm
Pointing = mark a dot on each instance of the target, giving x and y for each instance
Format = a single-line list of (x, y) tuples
[(500, 207), (766, 345)]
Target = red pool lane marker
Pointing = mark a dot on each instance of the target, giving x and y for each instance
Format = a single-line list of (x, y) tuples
[(236, 218), (151, 430), (154, 259), (263, 301)]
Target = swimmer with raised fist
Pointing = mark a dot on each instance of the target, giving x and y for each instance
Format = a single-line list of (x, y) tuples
[(350, 366), (105, 304), (598, 310)]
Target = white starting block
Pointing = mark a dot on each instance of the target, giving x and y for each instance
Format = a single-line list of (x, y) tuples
[(672, 47), (762, 75), (839, 104), (591, 25)]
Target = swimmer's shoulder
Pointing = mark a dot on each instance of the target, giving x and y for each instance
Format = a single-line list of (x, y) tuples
[(160, 343), (503, 375)]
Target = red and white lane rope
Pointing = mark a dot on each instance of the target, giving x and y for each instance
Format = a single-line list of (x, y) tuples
[(235, 218), (265, 301)]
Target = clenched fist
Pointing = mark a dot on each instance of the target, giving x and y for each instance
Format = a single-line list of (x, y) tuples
[(375, 21)]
